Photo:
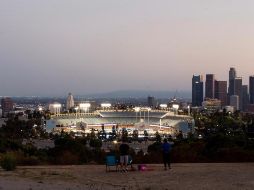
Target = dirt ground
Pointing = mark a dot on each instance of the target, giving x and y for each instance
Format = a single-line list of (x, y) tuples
[(93, 177)]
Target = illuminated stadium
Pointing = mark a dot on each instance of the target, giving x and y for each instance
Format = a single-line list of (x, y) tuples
[(141, 119)]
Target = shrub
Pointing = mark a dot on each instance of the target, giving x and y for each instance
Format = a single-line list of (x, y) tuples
[(8, 162), (155, 147), (95, 143)]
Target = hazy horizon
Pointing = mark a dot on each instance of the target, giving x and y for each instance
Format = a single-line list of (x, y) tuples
[(50, 48), (117, 94)]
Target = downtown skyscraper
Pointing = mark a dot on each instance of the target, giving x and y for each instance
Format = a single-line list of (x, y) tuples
[(221, 92), (210, 86), (246, 97), (197, 90), (231, 80), (236, 94), (238, 90), (251, 89)]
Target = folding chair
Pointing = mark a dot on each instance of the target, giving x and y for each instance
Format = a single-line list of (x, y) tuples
[(111, 161)]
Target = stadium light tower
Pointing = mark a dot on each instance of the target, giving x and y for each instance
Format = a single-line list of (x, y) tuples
[(40, 108), (56, 105), (106, 105), (175, 107), (57, 108), (144, 115), (148, 110), (76, 110), (163, 106), (85, 106), (188, 110), (137, 109)]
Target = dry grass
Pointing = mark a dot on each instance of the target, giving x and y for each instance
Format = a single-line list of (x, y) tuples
[(94, 177)]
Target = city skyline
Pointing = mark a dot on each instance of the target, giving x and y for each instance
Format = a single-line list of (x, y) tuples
[(83, 47)]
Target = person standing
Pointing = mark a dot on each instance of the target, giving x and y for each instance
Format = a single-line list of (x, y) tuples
[(124, 155), (166, 149)]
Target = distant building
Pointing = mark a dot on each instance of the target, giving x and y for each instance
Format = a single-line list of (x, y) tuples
[(211, 105), (251, 90), (229, 109), (221, 92), (232, 76), (239, 91), (7, 106), (151, 102), (250, 108), (246, 97), (197, 90), (234, 101), (70, 102), (209, 86)]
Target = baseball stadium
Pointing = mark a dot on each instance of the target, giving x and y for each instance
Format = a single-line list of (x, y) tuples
[(141, 119)]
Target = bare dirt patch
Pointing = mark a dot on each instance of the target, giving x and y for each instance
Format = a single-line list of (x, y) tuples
[(93, 177)]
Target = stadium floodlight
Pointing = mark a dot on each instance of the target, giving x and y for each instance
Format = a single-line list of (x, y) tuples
[(137, 109), (40, 108), (84, 105), (148, 116), (163, 105), (105, 105), (175, 106), (56, 105)]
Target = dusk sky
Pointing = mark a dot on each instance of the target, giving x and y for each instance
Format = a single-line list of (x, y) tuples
[(52, 47)]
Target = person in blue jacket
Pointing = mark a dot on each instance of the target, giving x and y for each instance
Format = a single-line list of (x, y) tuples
[(166, 149)]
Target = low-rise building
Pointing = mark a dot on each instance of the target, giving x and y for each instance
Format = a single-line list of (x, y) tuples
[(211, 105)]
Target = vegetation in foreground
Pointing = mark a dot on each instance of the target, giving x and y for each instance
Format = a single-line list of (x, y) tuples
[(220, 137)]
